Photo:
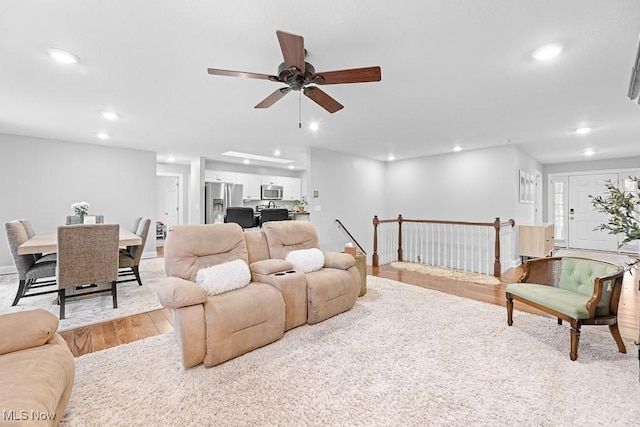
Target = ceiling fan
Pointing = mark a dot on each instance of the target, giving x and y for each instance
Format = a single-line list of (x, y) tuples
[(299, 75)]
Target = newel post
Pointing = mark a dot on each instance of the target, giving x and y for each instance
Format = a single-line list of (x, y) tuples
[(374, 260), (399, 237), (496, 263)]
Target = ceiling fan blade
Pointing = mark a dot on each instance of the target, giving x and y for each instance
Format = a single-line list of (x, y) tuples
[(273, 98), (230, 73), (292, 47), (354, 75), (322, 99)]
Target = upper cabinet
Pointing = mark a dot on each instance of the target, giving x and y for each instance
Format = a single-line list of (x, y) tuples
[(291, 188), (272, 180), (216, 176), (250, 186)]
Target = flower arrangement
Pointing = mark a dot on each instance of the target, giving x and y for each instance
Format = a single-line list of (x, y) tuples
[(80, 209)]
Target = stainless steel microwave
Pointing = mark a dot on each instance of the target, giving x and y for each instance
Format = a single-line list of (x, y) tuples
[(271, 192)]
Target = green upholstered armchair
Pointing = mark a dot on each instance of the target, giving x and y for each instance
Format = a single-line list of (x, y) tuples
[(579, 290)]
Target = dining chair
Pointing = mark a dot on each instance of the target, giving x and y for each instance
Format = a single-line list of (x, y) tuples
[(129, 258), (87, 254), (32, 275), (241, 215), (75, 219), (28, 227), (277, 214)]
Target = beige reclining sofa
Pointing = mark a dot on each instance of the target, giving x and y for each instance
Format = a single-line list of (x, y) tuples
[(36, 369), (331, 290), (212, 329)]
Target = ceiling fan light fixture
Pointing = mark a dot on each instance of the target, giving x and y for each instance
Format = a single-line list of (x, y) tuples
[(314, 126)]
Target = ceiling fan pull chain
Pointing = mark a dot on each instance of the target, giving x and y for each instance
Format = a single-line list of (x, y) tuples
[(300, 109)]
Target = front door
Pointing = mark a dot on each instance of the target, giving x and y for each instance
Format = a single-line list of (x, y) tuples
[(583, 219)]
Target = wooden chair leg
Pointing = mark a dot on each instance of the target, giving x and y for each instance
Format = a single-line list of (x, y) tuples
[(22, 287), (559, 321), (575, 338), (509, 310), (61, 301), (616, 336), (114, 294)]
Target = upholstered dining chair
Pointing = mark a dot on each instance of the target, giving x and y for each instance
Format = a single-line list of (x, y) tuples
[(31, 231), (129, 258), (32, 275), (87, 254), (75, 219), (277, 214), (241, 215)]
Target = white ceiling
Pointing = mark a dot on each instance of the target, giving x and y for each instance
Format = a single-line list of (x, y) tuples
[(453, 72)]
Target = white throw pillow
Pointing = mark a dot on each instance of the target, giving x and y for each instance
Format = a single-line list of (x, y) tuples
[(224, 277), (306, 260)]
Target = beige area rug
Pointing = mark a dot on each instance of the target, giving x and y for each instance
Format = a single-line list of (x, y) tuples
[(403, 356), (82, 311), (463, 276)]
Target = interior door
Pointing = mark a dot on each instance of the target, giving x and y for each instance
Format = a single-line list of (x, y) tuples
[(171, 201), (583, 219)]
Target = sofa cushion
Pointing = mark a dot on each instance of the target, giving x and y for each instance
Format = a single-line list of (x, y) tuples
[(191, 247), (306, 260), (26, 329), (572, 304), (224, 277), (286, 236)]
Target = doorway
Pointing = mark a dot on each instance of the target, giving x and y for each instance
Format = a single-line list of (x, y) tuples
[(168, 209), (583, 219), (571, 211)]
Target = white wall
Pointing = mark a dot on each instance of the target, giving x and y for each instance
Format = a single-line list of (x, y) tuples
[(351, 189), (477, 185), (41, 178), (466, 186)]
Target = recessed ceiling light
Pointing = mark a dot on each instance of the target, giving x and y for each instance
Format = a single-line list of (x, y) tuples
[(109, 115), (256, 157), (583, 130), (547, 52), (314, 126), (589, 152), (63, 56), (246, 161), (102, 135), (291, 166), (457, 148), (391, 157), (171, 159), (276, 152)]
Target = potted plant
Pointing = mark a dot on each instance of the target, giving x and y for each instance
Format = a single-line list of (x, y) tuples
[(300, 205), (623, 211)]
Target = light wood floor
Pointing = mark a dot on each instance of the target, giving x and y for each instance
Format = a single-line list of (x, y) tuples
[(100, 336)]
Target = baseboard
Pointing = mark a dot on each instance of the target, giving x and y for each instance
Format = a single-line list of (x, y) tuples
[(11, 269), (146, 255)]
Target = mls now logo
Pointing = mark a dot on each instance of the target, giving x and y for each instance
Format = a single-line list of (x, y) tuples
[(27, 416)]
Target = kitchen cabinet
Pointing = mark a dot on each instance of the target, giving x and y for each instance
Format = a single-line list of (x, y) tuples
[(271, 180), (291, 188), (217, 176), (250, 186), (536, 240)]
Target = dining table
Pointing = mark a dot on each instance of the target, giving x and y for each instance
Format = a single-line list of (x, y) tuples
[(47, 242)]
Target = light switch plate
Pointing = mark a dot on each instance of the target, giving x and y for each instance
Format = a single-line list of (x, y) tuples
[(315, 193)]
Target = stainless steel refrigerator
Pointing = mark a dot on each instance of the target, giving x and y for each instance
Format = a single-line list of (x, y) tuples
[(218, 197)]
